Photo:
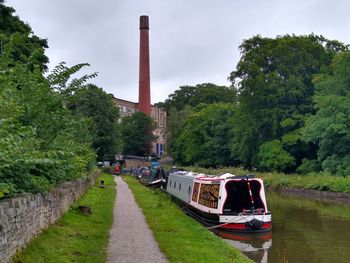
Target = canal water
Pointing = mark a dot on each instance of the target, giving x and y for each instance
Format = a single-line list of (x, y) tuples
[(303, 231)]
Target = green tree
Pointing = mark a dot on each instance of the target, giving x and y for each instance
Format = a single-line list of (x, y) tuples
[(272, 155), (274, 83), (175, 122), (329, 128), (30, 48), (202, 93), (41, 142), (61, 78), (137, 133), (204, 136), (91, 101)]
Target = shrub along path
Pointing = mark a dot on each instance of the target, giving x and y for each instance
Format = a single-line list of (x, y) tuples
[(131, 240)]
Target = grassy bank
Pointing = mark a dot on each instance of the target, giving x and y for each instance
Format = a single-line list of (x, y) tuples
[(275, 180), (181, 238), (77, 237)]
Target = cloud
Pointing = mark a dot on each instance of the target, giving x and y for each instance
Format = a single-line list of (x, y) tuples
[(191, 42)]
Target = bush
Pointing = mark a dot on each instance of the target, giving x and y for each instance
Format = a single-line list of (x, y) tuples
[(41, 142), (308, 166)]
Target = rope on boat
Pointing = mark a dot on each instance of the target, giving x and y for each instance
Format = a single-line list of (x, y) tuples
[(217, 226), (211, 227)]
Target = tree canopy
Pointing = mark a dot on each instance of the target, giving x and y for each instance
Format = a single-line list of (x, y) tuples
[(42, 143), (278, 86), (175, 122), (204, 136), (329, 128), (202, 93), (29, 47), (274, 81), (136, 134), (44, 138), (91, 101)]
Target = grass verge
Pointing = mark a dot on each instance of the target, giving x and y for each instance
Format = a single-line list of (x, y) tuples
[(322, 182), (181, 238), (77, 237)]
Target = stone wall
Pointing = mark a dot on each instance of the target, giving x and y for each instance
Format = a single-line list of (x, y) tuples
[(25, 216)]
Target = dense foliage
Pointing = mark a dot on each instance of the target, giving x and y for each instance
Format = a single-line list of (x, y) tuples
[(95, 103), (137, 134), (275, 97), (274, 81), (329, 128), (204, 136), (174, 127), (28, 44), (41, 142), (202, 93), (45, 137)]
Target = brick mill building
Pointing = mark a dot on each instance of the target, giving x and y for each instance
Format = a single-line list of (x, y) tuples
[(128, 108)]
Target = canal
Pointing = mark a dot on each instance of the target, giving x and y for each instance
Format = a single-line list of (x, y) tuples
[(303, 231)]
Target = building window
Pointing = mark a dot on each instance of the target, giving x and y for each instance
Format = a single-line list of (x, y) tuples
[(160, 149), (157, 149), (161, 119), (180, 187), (124, 109), (174, 185)]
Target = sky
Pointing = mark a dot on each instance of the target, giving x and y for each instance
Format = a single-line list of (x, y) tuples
[(191, 41)]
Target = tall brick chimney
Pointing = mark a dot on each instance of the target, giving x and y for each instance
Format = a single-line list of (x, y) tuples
[(144, 75)]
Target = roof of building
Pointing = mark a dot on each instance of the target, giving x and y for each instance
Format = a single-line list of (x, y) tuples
[(135, 103)]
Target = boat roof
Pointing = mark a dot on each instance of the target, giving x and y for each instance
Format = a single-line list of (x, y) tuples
[(201, 176)]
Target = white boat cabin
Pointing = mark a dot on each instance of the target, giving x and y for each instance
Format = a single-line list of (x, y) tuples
[(222, 194)]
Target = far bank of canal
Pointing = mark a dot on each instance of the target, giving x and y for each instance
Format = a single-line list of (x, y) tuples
[(304, 230)]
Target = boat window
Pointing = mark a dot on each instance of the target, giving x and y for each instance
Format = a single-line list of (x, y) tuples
[(174, 185), (180, 187), (189, 190)]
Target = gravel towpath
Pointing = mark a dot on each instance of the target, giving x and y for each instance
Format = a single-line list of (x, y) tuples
[(131, 240)]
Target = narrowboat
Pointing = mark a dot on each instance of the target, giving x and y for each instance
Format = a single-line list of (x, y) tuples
[(226, 202), (152, 176)]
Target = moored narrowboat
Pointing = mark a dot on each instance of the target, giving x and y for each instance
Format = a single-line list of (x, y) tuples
[(226, 202), (152, 176)]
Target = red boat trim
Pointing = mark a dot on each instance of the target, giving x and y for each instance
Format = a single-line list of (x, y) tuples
[(244, 226), (266, 236)]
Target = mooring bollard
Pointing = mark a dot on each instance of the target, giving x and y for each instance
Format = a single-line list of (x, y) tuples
[(102, 184)]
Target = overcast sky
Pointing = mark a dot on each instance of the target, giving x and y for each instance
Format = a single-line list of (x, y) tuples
[(191, 41)]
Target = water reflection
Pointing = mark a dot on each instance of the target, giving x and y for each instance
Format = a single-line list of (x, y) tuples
[(303, 231), (256, 247)]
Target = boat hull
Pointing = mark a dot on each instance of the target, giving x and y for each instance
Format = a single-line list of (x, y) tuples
[(225, 202), (254, 223)]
